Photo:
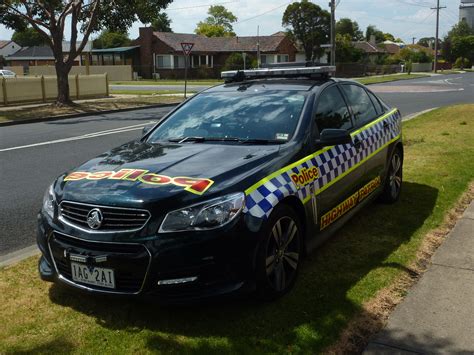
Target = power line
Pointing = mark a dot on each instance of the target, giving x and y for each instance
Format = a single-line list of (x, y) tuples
[(263, 13), (202, 5)]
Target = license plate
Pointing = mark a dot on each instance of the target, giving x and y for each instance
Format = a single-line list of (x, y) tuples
[(96, 276)]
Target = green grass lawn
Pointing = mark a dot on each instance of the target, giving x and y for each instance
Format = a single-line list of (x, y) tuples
[(149, 92), (388, 78), (169, 82), (370, 253)]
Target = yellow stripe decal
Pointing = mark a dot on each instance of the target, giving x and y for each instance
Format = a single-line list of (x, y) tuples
[(319, 152)]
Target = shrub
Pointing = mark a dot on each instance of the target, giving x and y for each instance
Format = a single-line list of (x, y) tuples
[(236, 62), (462, 63)]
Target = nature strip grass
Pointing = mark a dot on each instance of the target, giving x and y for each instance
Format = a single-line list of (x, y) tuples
[(336, 283), (113, 103), (168, 82), (389, 78)]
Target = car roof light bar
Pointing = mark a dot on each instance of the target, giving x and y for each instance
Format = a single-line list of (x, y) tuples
[(285, 72)]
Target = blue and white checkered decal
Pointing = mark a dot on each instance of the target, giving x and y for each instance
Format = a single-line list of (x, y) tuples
[(331, 163)]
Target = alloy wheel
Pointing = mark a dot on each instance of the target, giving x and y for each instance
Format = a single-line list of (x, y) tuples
[(395, 175), (282, 255)]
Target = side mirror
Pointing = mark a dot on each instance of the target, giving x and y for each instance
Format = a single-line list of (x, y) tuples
[(330, 137), (148, 128)]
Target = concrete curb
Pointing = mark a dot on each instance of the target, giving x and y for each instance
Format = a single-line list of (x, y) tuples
[(85, 114), (415, 115), (19, 255)]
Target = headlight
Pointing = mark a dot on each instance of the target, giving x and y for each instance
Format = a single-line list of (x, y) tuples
[(49, 202), (204, 216)]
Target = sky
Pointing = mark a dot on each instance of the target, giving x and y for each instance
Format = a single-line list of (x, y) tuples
[(403, 18)]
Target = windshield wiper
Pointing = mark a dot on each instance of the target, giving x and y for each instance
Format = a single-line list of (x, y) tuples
[(225, 139)]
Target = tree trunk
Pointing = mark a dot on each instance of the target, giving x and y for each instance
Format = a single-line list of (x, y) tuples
[(62, 73)]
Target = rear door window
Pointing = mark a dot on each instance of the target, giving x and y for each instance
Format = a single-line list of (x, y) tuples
[(332, 111), (376, 101), (362, 107)]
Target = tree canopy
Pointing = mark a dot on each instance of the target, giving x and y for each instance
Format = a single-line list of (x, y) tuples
[(308, 25), (51, 17), (108, 39), (451, 44), (162, 23), (218, 23), (345, 26), (28, 37), (373, 31), (345, 51)]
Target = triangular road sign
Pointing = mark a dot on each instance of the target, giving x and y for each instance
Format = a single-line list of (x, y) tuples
[(187, 47)]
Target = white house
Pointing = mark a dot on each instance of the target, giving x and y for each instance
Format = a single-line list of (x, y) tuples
[(8, 47)]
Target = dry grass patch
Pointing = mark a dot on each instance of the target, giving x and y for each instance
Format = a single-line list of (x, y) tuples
[(106, 104)]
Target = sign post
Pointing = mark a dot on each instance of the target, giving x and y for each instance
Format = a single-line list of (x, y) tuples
[(187, 48)]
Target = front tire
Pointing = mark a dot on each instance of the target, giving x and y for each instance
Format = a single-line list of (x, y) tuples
[(393, 183), (279, 255)]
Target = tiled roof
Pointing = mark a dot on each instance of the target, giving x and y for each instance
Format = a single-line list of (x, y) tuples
[(38, 52), (220, 44), (391, 48), (368, 48), (3, 43)]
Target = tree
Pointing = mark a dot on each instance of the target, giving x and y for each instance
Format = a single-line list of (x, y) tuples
[(108, 39), (345, 26), (388, 37), (463, 47), (218, 23), (309, 25), (345, 51), (28, 37), (373, 31), (162, 23), (50, 17), (427, 42), (459, 30)]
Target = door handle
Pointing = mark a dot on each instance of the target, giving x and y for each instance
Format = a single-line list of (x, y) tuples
[(357, 143)]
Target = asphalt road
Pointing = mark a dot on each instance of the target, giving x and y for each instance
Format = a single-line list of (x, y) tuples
[(33, 155)]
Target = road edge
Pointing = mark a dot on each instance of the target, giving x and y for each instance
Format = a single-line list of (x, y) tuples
[(19, 255), (84, 114)]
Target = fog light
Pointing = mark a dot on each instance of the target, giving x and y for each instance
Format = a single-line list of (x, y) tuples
[(177, 281)]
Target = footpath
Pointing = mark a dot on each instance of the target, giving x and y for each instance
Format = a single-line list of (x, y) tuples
[(437, 316)]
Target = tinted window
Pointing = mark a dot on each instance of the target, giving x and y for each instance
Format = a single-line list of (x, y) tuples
[(270, 115), (378, 105), (362, 106), (332, 111)]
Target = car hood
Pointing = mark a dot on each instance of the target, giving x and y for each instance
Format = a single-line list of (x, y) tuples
[(139, 173)]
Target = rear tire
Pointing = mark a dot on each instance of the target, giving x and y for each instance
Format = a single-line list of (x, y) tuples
[(394, 180), (279, 254)]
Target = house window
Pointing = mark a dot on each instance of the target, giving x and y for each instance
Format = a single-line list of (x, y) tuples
[(108, 59), (118, 59), (163, 62), (267, 58), (283, 58), (179, 61)]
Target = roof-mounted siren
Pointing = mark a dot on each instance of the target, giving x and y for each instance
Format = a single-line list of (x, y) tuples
[(282, 70)]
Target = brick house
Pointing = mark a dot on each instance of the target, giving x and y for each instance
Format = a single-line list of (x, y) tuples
[(161, 52)]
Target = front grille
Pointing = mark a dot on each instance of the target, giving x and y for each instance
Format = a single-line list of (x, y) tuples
[(129, 261), (114, 218)]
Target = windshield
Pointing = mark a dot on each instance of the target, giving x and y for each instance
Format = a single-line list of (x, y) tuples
[(246, 116)]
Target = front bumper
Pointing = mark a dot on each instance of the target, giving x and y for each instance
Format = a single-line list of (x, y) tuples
[(218, 262)]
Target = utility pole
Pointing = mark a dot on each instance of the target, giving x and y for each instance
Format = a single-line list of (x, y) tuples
[(413, 38), (437, 8), (332, 4)]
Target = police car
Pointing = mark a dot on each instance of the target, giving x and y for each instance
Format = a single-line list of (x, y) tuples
[(228, 192)]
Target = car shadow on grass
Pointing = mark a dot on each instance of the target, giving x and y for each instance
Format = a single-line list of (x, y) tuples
[(332, 285)]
